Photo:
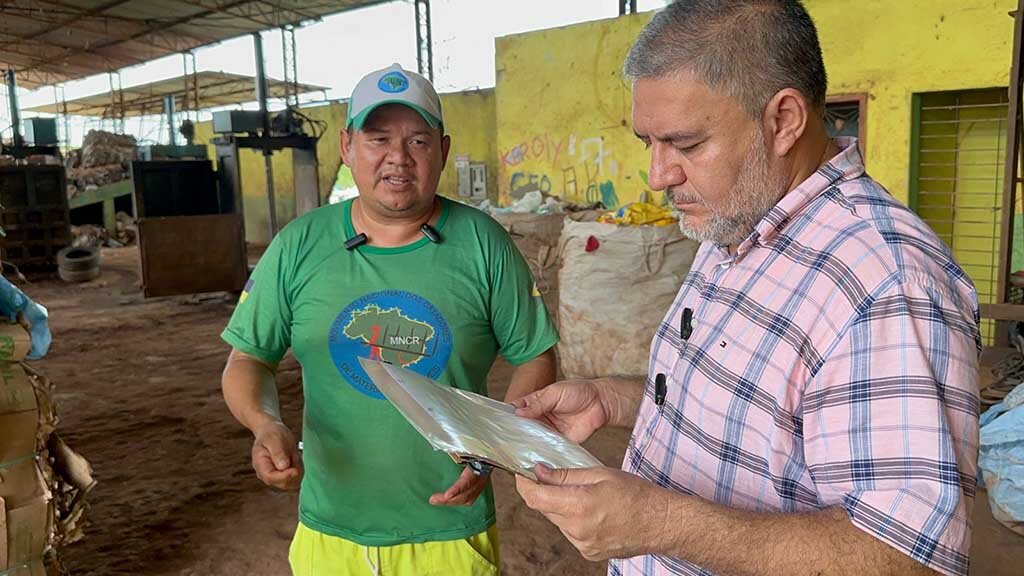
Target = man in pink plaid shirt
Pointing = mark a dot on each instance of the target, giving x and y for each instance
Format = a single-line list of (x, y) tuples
[(811, 403)]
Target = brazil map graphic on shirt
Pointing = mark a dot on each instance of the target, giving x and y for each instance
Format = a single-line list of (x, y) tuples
[(393, 326)]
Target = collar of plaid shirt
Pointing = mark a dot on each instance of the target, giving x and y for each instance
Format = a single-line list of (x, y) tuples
[(832, 362), (847, 165)]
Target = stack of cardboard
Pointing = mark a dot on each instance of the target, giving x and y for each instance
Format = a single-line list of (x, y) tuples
[(127, 231), (101, 148), (42, 481), (104, 158)]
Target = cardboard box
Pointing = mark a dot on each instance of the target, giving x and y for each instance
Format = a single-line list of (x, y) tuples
[(16, 391), (25, 512), (14, 342), (18, 431), (33, 568), (41, 501), (19, 425), (26, 529), (22, 482)]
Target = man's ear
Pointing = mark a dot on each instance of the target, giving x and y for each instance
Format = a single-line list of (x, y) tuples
[(346, 148), (785, 120), (446, 144)]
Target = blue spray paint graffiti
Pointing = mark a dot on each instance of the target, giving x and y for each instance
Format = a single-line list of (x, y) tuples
[(523, 182), (608, 196)]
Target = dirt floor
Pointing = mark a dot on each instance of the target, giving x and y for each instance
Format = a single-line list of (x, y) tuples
[(138, 394)]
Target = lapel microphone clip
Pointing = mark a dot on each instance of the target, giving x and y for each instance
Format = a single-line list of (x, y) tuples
[(430, 233), (356, 241), (361, 238)]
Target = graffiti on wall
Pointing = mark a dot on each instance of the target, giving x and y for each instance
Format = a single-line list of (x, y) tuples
[(522, 183), (574, 168)]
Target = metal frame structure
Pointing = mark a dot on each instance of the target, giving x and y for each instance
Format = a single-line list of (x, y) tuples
[(117, 98), (424, 40), (50, 41), (208, 89), (956, 184), (191, 76), (10, 78), (1011, 179), (1002, 311), (60, 101), (18, 149), (289, 55), (268, 151), (169, 113)]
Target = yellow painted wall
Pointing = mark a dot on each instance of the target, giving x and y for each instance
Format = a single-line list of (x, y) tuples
[(563, 113), (469, 118), (892, 49)]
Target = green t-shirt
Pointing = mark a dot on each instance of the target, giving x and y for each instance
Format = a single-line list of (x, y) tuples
[(444, 310)]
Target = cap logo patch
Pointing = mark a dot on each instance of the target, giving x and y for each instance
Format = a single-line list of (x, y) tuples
[(393, 82)]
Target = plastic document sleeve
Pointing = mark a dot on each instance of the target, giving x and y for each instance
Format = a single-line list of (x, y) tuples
[(471, 427)]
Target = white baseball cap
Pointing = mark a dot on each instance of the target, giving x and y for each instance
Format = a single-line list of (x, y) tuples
[(393, 85)]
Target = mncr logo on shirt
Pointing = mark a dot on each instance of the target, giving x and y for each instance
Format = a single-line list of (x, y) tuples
[(392, 326)]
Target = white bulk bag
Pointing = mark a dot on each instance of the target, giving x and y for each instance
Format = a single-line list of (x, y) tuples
[(612, 300)]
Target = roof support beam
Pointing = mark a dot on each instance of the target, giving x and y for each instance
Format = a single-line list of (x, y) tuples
[(220, 10), (282, 9), (424, 40), (51, 41), (63, 23), (150, 30), (33, 14), (31, 56)]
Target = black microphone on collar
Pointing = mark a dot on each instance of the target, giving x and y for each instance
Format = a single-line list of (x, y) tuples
[(355, 241), (430, 233), (361, 238)]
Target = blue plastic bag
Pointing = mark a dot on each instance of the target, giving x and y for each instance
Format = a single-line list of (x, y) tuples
[(1001, 459), (12, 301)]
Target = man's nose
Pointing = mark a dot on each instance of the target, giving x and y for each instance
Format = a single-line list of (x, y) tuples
[(398, 153), (665, 168)]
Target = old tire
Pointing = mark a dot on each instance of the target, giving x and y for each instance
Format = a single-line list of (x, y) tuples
[(74, 276), (78, 259)]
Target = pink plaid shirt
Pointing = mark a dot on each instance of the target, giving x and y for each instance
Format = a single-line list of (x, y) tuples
[(831, 362)]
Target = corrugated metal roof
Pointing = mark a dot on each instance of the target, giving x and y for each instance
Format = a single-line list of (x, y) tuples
[(213, 89), (51, 41)]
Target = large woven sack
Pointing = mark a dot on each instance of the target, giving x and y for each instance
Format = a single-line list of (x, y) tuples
[(536, 236), (613, 298)]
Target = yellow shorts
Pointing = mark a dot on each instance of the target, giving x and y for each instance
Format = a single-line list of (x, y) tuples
[(313, 553)]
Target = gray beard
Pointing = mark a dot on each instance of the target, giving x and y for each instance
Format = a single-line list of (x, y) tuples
[(755, 193)]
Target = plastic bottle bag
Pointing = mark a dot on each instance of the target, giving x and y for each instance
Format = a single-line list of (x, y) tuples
[(1001, 459), (13, 301)]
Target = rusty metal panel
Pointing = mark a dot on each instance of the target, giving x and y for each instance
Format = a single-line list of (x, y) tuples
[(34, 215), (192, 254), (174, 188)]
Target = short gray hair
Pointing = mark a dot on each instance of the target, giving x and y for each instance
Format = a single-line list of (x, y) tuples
[(750, 49)]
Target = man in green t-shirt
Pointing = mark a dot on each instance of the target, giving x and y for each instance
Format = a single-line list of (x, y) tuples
[(402, 275)]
